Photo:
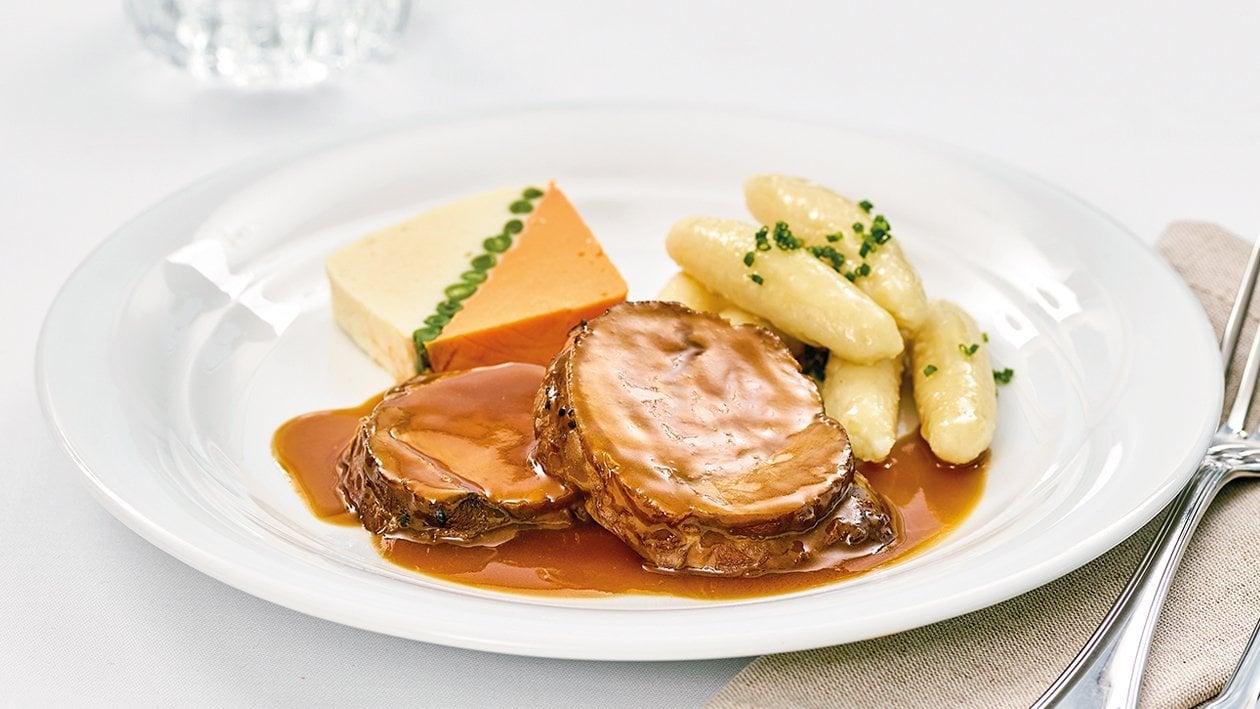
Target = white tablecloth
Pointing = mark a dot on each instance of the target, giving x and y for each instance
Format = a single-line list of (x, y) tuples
[(1149, 110)]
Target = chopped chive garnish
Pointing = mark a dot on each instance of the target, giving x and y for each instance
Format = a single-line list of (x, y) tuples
[(864, 269), (833, 238), (1003, 376), (866, 248), (762, 238), (850, 275), (756, 278), (929, 370), (532, 193), (881, 230), (858, 227), (827, 253), (784, 239), (984, 336), (748, 258), (866, 205), (968, 350)]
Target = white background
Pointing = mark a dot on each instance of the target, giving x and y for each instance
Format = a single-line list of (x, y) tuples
[(1150, 110)]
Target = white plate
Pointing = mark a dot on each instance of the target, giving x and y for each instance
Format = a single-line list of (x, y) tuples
[(178, 347)]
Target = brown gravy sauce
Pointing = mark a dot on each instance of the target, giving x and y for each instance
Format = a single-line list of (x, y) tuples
[(931, 498)]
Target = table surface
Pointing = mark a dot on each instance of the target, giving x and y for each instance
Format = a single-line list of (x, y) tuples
[(1149, 110)]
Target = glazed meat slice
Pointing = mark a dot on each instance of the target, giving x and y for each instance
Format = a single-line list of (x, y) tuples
[(444, 458), (701, 444)]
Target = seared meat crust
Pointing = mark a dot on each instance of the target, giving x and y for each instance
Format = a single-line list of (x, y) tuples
[(701, 445), (444, 457)]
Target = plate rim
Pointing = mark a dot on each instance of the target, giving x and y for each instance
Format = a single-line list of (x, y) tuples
[(240, 576)]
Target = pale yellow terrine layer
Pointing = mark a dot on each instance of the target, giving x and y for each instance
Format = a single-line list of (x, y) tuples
[(384, 285)]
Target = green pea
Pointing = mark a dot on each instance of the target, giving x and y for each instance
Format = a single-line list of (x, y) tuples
[(497, 244), (460, 291)]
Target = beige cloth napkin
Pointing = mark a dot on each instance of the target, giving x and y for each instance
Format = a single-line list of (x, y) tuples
[(1006, 655)]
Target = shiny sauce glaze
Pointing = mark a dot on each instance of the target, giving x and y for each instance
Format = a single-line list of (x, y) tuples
[(449, 454), (930, 498)]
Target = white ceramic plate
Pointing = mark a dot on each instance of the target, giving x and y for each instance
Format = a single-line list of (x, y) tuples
[(178, 347)]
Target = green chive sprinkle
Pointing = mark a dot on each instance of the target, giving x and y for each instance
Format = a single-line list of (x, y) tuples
[(833, 238), (460, 291), (929, 370), (748, 258), (864, 269), (866, 205), (756, 278), (858, 227), (532, 193), (850, 275), (984, 336), (762, 237), (826, 253), (784, 239), (1003, 376), (968, 350), (881, 230), (520, 206)]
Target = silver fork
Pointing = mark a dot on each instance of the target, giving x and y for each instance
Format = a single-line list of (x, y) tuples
[(1242, 691), (1108, 670)]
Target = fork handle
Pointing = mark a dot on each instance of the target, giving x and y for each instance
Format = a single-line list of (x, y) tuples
[(1108, 670)]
